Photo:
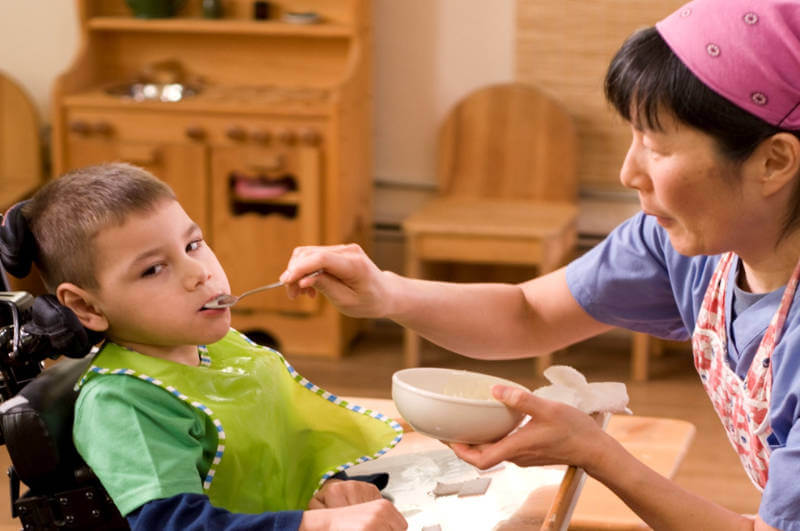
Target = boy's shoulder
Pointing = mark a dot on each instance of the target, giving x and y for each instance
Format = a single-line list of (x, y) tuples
[(115, 360), (110, 396)]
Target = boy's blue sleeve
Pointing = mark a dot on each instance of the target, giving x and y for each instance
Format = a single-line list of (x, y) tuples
[(194, 512)]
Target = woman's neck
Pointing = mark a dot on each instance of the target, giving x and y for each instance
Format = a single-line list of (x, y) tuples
[(770, 269)]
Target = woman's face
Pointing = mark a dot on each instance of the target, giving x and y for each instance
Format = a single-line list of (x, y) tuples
[(700, 199)]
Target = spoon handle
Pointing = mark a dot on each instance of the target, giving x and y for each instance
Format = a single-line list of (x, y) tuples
[(273, 285), (262, 288)]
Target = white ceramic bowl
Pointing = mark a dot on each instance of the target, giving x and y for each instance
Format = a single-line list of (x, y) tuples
[(453, 405)]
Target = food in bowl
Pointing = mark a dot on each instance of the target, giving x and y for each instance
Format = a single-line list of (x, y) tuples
[(453, 405)]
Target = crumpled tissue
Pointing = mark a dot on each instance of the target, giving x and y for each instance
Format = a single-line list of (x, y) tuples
[(568, 385)]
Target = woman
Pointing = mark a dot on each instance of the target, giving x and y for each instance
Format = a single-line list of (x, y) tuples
[(712, 95)]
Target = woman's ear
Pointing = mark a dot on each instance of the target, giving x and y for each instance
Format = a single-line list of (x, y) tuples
[(80, 302), (778, 158)]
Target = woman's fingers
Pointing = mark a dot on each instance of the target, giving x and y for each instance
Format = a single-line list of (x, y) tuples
[(349, 279), (521, 400), (554, 434), (335, 260), (520, 448)]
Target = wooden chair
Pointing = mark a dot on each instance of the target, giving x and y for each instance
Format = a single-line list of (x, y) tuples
[(506, 165), (21, 168), (20, 144)]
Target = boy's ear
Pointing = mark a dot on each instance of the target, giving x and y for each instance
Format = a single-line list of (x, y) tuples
[(80, 302)]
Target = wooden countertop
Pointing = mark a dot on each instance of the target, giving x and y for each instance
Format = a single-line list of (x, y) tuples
[(291, 101)]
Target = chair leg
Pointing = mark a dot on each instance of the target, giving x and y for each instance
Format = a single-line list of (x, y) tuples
[(542, 363), (640, 351), (411, 340), (411, 348)]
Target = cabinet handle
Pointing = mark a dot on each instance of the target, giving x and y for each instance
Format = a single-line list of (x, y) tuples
[(80, 127), (287, 136), (310, 137), (261, 136), (236, 133), (195, 132), (102, 128)]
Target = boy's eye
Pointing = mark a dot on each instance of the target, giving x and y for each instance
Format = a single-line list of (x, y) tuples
[(152, 270), (194, 245)]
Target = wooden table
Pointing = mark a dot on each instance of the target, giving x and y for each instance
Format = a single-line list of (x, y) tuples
[(661, 443)]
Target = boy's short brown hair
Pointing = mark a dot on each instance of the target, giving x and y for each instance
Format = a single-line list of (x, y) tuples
[(67, 213)]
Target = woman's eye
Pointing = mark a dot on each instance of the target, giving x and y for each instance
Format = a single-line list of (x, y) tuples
[(153, 270), (653, 150), (195, 245)]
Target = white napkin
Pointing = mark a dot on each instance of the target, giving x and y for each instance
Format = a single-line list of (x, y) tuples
[(570, 386)]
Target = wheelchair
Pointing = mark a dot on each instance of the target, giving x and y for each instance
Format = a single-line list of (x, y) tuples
[(36, 416)]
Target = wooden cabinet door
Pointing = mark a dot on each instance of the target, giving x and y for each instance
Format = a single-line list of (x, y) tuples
[(85, 151), (254, 241), (183, 166)]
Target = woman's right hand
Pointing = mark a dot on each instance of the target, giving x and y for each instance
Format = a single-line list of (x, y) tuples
[(555, 434), (349, 279), (376, 515)]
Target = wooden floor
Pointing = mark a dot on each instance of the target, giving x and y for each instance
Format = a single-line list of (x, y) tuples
[(710, 469)]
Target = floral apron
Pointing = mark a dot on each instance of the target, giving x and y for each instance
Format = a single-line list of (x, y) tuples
[(742, 406)]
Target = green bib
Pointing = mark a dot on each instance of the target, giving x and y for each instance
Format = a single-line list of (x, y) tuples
[(279, 437)]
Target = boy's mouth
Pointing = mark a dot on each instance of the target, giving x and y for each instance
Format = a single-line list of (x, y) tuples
[(205, 307)]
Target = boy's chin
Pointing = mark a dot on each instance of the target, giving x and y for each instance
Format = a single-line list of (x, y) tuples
[(212, 336), (213, 333)]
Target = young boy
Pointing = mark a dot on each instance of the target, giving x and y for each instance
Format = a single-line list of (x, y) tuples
[(186, 422)]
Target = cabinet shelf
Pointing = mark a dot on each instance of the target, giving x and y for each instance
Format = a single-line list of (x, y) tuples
[(233, 26)]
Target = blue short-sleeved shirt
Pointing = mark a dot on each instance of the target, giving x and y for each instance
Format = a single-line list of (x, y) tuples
[(636, 280)]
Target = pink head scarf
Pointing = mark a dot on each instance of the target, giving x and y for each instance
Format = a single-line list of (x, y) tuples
[(747, 51)]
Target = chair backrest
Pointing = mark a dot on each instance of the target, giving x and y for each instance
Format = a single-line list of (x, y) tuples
[(508, 140), (20, 144)]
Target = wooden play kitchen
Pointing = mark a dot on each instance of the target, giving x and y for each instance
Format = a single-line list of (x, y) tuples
[(261, 126)]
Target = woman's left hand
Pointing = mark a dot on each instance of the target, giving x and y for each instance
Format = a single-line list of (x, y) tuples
[(556, 434), (339, 493)]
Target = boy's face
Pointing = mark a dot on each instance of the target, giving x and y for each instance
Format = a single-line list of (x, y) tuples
[(155, 272)]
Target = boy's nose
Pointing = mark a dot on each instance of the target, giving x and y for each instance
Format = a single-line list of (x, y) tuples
[(195, 274)]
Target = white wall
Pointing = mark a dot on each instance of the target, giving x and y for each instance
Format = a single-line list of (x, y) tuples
[(428, 53), (38, 39)]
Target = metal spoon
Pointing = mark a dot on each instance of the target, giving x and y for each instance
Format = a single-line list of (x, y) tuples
[(226, 300)]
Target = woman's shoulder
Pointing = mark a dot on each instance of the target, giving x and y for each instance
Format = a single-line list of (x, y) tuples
[(640, 244)]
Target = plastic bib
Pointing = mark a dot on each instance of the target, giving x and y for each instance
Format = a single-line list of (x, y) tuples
[(279, 436)]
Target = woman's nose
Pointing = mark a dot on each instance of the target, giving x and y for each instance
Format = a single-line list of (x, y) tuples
[(632, 174)]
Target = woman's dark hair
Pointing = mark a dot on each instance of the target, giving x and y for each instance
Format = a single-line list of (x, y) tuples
[(646, 78)]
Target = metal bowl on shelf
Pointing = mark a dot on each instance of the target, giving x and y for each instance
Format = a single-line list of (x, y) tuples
[(168, 92)]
